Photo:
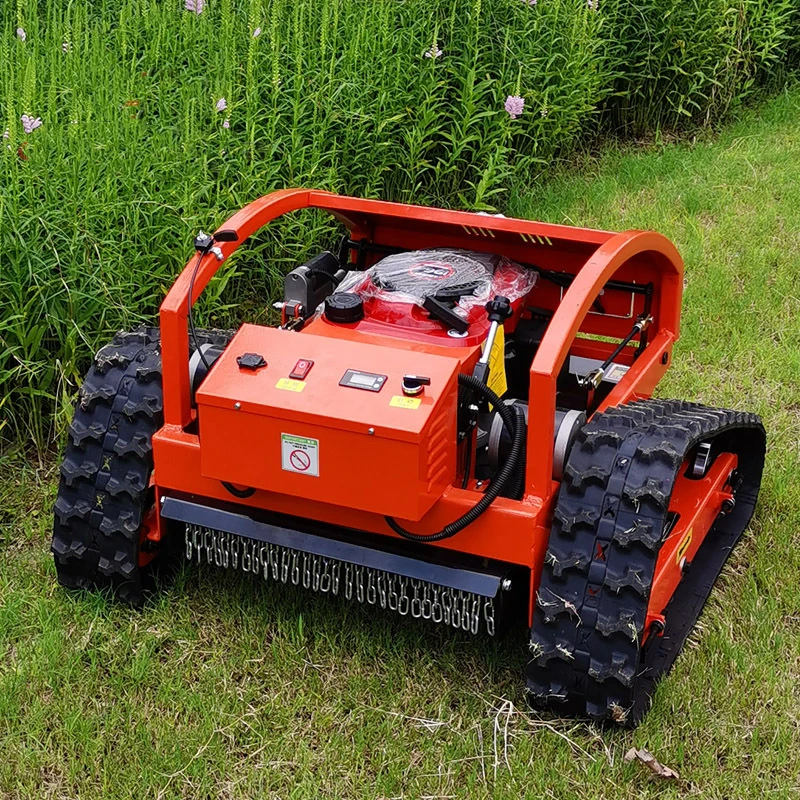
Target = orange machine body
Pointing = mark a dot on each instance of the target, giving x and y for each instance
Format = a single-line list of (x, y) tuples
[(333, 435), (337, 454)]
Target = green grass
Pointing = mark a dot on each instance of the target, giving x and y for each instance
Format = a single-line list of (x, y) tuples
[(98, 205), (226, 688)]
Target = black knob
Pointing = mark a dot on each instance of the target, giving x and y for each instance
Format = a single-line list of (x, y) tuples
[(412, 384), (251, 361), (499, 308), (344, 307)]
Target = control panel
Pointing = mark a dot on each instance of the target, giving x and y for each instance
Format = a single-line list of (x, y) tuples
[(323, 416)]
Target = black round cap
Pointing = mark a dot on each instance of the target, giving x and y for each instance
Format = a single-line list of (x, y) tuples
[(344, 307)]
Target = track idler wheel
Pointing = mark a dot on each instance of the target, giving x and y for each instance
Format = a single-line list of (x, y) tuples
[(591, 653)]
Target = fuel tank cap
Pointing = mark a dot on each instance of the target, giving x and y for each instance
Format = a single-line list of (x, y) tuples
[(344, 307)]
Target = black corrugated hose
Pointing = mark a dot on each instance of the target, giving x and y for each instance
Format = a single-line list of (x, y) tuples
[(508, 472)]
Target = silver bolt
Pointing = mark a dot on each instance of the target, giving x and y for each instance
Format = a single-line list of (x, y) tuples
[(371, 431), (237, 406), (162, 500), (506, 584), (478, 484)]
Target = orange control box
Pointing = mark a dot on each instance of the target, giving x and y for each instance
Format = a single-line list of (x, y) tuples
[(335, 434)]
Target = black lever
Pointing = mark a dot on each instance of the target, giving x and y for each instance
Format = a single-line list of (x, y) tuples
[(438, 310)]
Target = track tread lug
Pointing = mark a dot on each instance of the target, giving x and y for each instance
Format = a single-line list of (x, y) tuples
[(139, 444), (581, 518), (651, 490), (148, 406), (73, 471), (664, 452), (90, 395), (79, 432), (642, 531), (561, 561), (631, 576), (619, 668), (592, 440), (594, 474)]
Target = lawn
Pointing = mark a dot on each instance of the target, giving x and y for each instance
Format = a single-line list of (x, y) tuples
[(224, 687)]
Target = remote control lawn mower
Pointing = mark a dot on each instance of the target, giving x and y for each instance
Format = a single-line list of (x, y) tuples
[(452, 422)]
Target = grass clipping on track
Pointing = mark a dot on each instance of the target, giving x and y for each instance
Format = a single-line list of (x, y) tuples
[(228, 688)]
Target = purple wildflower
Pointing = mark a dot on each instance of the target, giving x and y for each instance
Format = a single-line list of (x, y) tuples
[(21, 35), (29, 124), (592, 5), (514, 105), (256, 33), (434, 52), (222, 104), (196, 6), (227, 123), (529, 2)]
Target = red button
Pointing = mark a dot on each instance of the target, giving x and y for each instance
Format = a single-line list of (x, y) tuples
[(301, 369)]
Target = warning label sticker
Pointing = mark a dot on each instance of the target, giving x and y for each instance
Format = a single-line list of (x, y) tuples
[(683, 547), (289, 385), (299, 454), (405, 402), (497, 364), (615, 373)]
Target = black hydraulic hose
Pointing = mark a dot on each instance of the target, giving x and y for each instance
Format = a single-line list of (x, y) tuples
[(496, 487), (242, 493), (468, 461), (518, 486)]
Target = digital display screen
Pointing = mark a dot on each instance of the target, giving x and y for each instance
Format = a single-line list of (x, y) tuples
[(368, 381)]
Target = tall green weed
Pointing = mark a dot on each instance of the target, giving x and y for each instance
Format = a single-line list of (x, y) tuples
[(399, 99), (682, 62)]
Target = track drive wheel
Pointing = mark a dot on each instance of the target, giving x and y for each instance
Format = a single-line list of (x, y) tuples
[(106, 500), (591, 654)]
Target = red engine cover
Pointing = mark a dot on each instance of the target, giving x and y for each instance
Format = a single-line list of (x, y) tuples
[(393, 295)]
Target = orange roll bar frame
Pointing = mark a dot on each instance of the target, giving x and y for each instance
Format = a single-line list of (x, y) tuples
[(607, 254)]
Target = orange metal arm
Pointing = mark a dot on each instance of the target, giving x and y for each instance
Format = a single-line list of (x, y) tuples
[(584, 290), (174, 309)]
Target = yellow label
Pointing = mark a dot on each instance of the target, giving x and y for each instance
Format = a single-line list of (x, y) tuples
[(290, 385), (405, 402), (683, 547), (497, 364)]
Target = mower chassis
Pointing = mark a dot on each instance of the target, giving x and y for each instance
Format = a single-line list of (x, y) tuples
[(618, 558)]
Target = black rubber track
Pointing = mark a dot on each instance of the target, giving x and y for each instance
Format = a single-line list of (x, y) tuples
[(608, 526), (103, 493)]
